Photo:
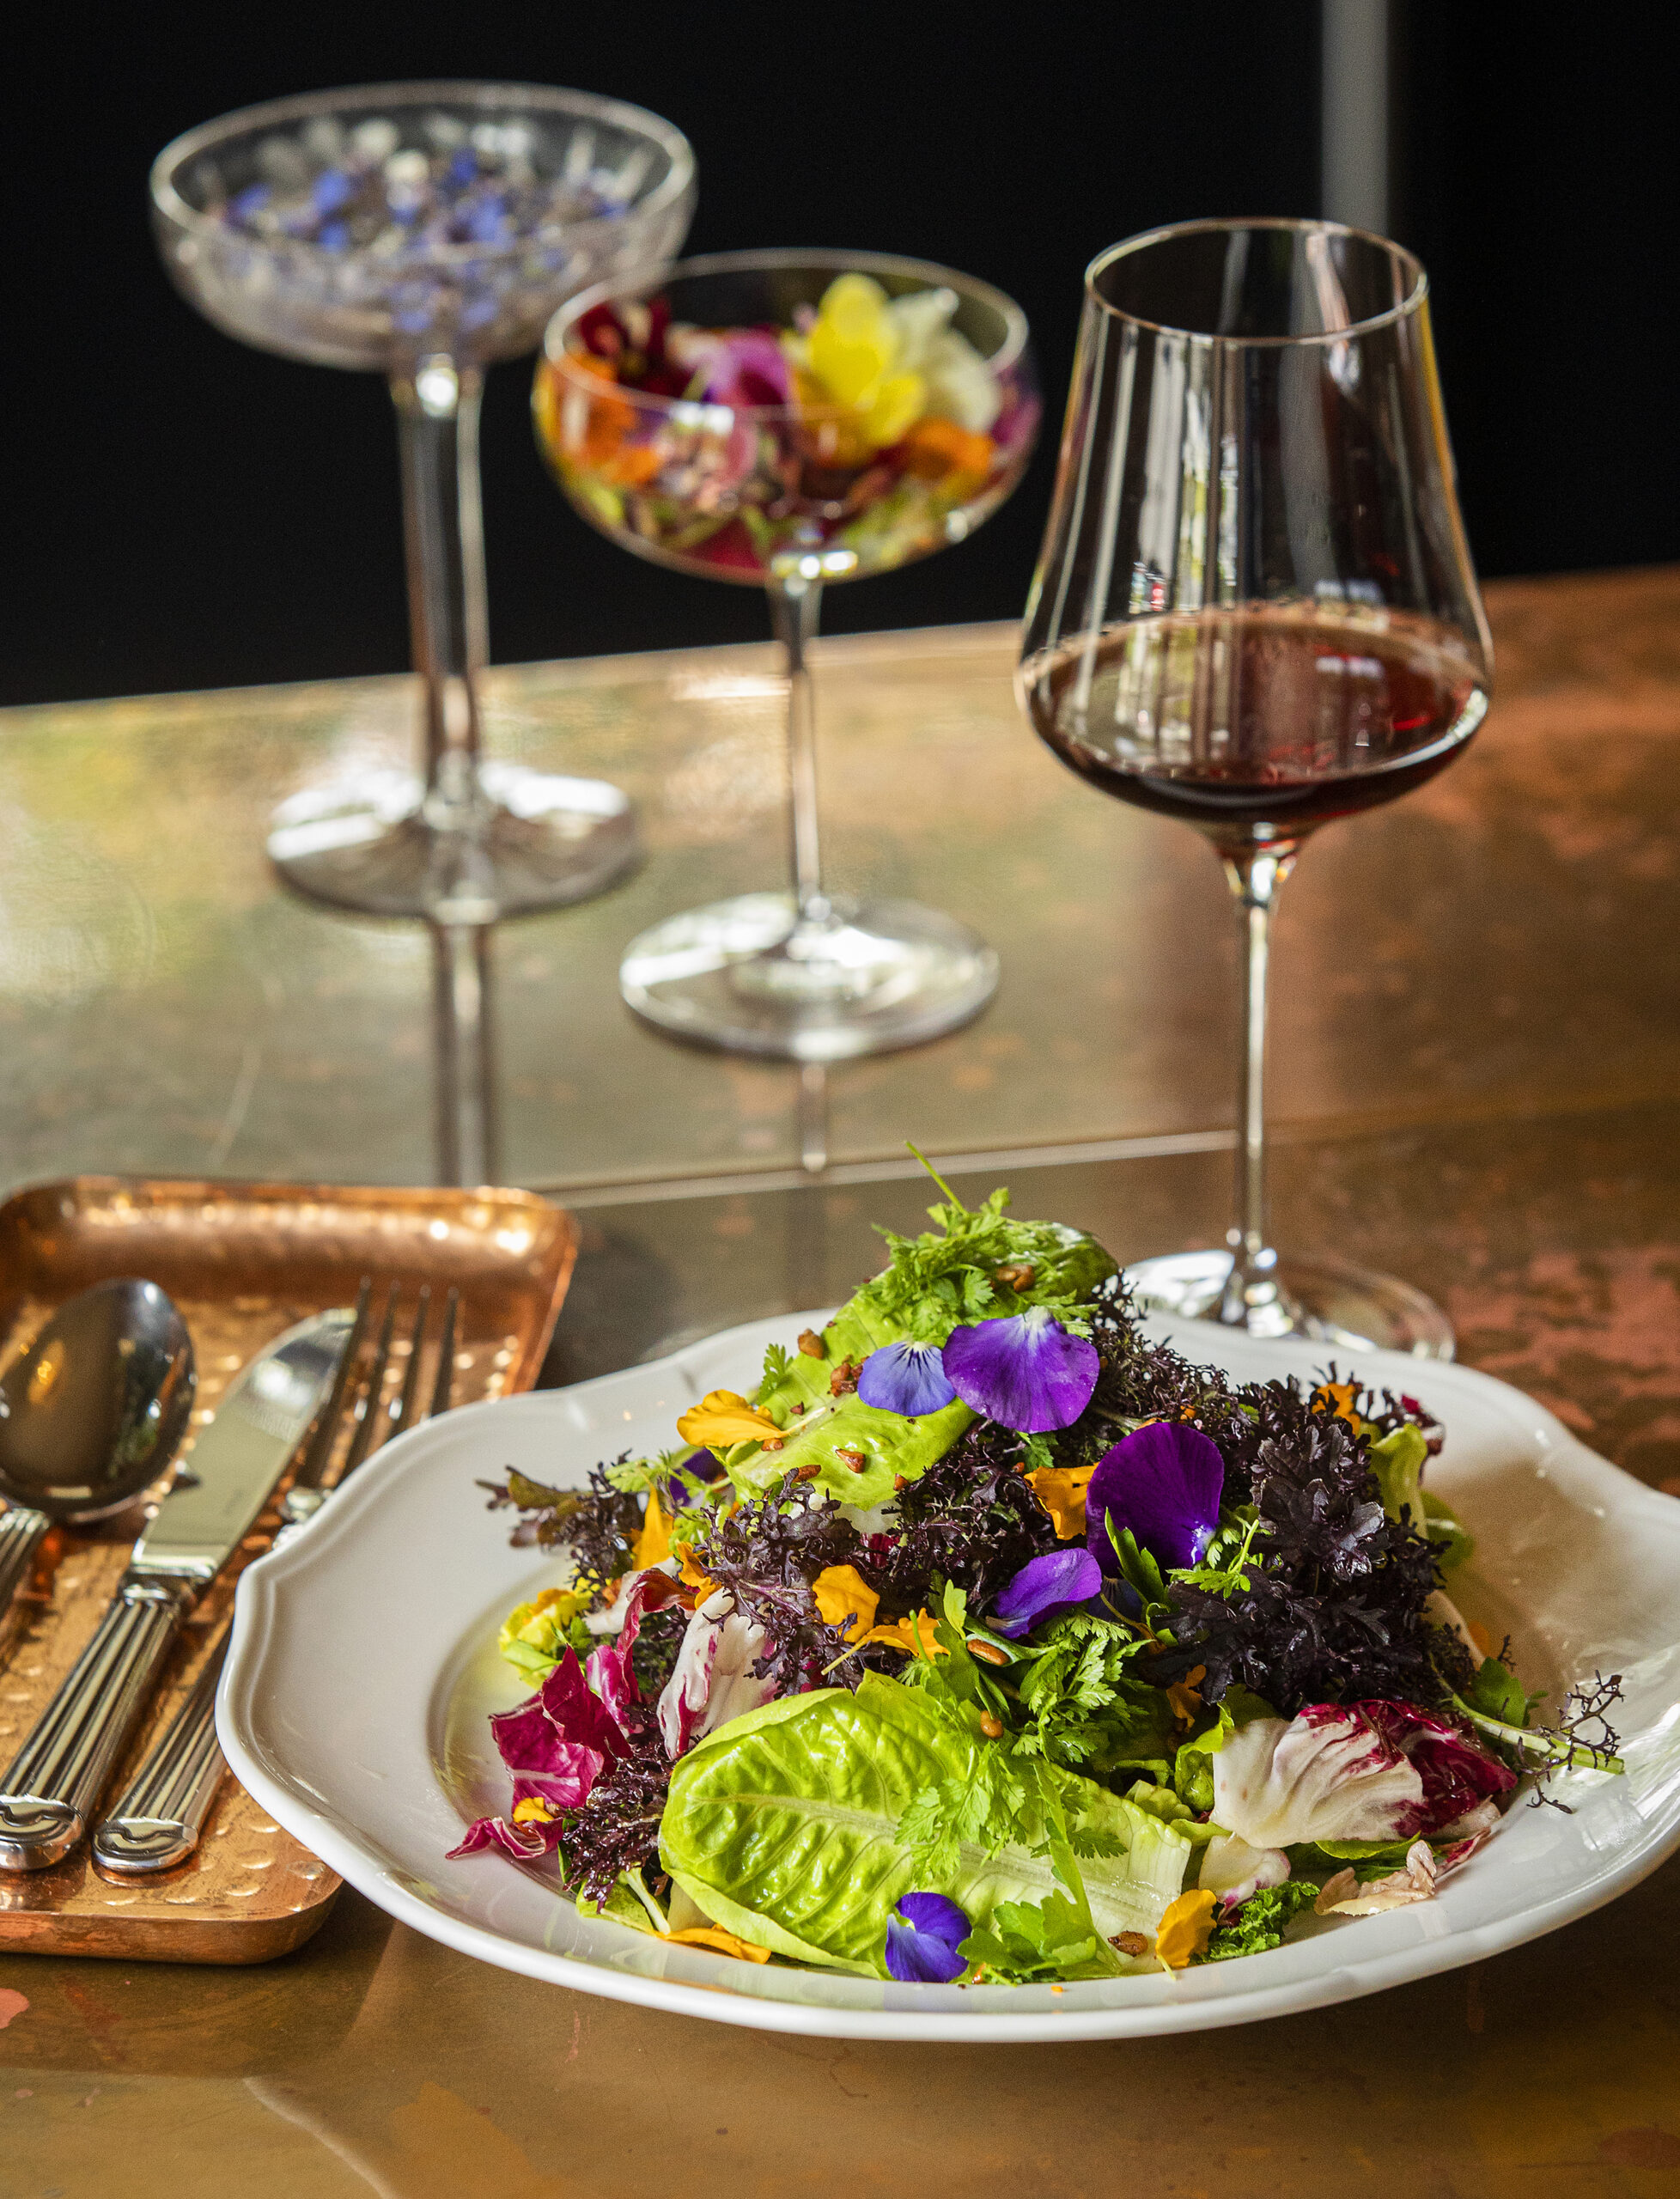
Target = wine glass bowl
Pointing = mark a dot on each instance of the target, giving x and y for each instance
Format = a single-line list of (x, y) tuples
[(425, 231), (786, 420), (1256, 612)]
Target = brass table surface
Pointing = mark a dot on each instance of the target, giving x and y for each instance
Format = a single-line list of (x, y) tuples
[(1478, 1083)]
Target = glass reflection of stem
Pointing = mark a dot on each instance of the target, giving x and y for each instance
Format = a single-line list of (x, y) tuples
[(464, 1030), (1255, 879), (437, 416), (795, 605), (813, 1118)]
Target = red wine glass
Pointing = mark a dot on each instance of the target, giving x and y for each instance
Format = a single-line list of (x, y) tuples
[(1256, 611)]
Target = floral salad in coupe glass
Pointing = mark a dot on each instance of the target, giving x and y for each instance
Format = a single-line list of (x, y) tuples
[(869, 432), (785, 420), (990, 1642)]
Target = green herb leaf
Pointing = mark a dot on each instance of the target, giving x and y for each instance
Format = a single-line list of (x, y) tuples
[(1260, 1923)]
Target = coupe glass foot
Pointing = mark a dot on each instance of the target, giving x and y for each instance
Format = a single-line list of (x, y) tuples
[(527, 840), (749, 975), (1329, 1301)]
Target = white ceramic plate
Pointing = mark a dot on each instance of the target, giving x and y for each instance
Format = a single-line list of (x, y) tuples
[(363, 1670)]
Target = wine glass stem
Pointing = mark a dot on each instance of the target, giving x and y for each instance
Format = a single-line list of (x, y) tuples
[(795, 605), (437, 422), (1257, 878)]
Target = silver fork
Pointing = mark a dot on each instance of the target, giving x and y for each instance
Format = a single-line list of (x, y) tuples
[(154, 1825)]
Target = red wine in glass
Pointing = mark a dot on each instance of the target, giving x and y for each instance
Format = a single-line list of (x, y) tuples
[(1260, 724)]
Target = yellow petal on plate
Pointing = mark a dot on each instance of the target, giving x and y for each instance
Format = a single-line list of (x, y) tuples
[(714, 1935), (846, 1600), (724, 1417), (1184, 1928), (652, 1545), (1061, 1490), (905, 1634)]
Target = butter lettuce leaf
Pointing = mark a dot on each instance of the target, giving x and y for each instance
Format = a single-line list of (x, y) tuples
[(785, 1826)]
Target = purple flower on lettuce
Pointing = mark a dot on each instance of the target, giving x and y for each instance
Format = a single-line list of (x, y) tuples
[(924, 1933), (1025, 1372), (1164, 1483), (1043, 1587), (906, 1378)]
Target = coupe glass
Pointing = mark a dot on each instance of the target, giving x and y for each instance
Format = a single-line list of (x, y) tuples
[(423, 231), (747, 466), (1256, 611)]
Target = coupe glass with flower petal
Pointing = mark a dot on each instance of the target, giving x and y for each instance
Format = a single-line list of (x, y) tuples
[(1256, 612), (423, 231), (784, 420)]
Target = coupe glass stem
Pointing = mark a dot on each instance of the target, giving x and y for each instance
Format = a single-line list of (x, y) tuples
[(437, 417), (1253, 1298), (795, 606)]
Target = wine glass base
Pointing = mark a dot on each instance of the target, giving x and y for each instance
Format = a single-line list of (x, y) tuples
[(1325, 1300), (528, 840), (747, 976)]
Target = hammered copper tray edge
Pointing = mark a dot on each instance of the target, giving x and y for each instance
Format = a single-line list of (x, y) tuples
[(243, 1261)]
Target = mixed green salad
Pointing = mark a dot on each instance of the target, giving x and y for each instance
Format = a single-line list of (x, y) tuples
[(990, 1641)]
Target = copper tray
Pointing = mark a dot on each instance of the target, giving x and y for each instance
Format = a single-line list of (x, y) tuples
[(243, 1262)]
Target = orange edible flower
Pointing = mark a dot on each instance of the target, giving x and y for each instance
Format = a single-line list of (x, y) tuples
[(725, 1416), (1061, 1490), (692, 1577), (1337, 1398), (714, 1935), (906, 1633), (534, 1811), (652, 1545), (1184, 1929), (845, 1600), (939, 450), (1183, 1696)]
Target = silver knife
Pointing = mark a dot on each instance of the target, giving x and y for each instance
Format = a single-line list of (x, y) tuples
[(48, 1794)]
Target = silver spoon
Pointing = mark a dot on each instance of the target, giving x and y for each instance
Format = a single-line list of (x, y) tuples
[(89, 1414)]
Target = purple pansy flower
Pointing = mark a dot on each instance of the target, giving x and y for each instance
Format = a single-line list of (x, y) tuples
[(1025, 1372), (1163, 1481), (906, 1378), (922, 1935), (1044, 1586)]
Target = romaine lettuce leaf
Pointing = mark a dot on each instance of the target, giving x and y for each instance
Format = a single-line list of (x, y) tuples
[(784, 1825)]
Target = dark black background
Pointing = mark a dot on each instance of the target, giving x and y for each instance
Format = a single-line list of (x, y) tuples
[(186, 511)]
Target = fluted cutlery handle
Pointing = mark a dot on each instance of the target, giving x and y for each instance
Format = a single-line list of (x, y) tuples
[(47, 1795), (156, 1825), (22, 1529)]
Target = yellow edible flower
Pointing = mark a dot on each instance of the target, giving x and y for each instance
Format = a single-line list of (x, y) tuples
[(532, 1638), (1061, 1490), (845, 1600), (1184, 1929), (906, 1633), (714, 1935), (652, 1545), (534, 1811), (724, 1417), (852, 349)]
